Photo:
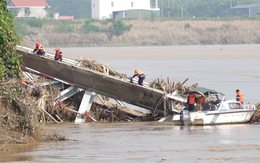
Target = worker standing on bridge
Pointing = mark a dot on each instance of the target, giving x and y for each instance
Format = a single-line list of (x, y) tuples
[(140, 75), (58, 55), (39, 48)]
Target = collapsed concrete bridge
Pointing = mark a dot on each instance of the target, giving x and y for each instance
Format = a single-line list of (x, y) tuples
[(90, 80)]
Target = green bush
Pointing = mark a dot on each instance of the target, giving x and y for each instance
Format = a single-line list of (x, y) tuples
[(64, 27), (226, 26), (91, 28), (87, 22), (87, 27), (104, 22), (34, 22), (187, 26), (9, 63), (119, 28), (21, 29), (211, 29)]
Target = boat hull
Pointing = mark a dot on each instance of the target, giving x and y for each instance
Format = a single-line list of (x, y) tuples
[(216, 117)]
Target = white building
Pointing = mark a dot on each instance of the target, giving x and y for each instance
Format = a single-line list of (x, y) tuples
[(27, 8), (105, 9)]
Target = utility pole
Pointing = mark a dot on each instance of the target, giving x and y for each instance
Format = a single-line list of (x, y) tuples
[(162, 8), (231, 3), (181, 11), (237, 2), (168, 9)]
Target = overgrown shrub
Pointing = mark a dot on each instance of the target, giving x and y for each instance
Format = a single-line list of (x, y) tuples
[(226, 26), (211, 29), (65, 27), (104, 22), (87, 27), (118, 28), (9, 63), (21, 29), (91, 28), (187, 26), (34, 22)]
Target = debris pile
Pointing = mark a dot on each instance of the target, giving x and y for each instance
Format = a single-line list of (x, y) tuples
[(19, 117), (158, 83), (43, 98), (100, 112), (91, 64), (170, 87), (256, 116)]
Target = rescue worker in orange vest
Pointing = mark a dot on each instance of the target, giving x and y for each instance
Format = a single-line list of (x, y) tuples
[(58, 55), (191, 101), (200, 103), (140, 75), (39, 48), (24, 84), (239, 96)]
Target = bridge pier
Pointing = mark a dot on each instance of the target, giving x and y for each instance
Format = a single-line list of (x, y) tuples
[(85, 105)]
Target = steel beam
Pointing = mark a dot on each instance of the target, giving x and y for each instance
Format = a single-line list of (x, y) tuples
[(85, 105), (67, 93)]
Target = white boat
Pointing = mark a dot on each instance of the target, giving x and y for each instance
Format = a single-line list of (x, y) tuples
[(216, 110)]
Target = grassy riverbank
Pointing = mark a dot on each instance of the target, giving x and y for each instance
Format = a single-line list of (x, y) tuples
[(144, 32)]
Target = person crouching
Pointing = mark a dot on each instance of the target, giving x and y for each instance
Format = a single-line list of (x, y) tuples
[(39, 49), (140, 75), (58, 55)]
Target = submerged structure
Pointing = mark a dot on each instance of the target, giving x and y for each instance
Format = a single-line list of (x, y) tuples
[(79, 77), (167, 103)]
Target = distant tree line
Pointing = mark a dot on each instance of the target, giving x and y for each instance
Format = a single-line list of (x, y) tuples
[(200, 8), (81, 9)]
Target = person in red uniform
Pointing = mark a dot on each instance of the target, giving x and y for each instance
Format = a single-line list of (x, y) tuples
[(58, 55), (239, 96), (140, 75), (191, 101), (39, 48)]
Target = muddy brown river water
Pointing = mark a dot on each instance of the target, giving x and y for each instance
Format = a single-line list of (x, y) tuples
[(221, 67)]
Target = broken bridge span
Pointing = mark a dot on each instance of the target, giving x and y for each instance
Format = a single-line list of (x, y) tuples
[(112, 86)]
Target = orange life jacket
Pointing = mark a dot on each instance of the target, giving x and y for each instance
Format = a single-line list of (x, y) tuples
[(139, 73), (201, 100), (58, 53), (191, 98), (239, 96), (23, 82), (40, 47)]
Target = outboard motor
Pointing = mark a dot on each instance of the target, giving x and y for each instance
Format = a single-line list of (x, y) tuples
[(185, 117)]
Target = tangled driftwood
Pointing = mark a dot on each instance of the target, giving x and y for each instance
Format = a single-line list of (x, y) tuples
[(91, 64), (170, 87), (158, 83)]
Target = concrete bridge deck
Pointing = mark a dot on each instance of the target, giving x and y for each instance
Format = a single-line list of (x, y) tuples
[(101, 83)]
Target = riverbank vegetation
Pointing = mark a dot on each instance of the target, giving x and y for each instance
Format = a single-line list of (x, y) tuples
[(139, 32), (18, 116), (182, 22)]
